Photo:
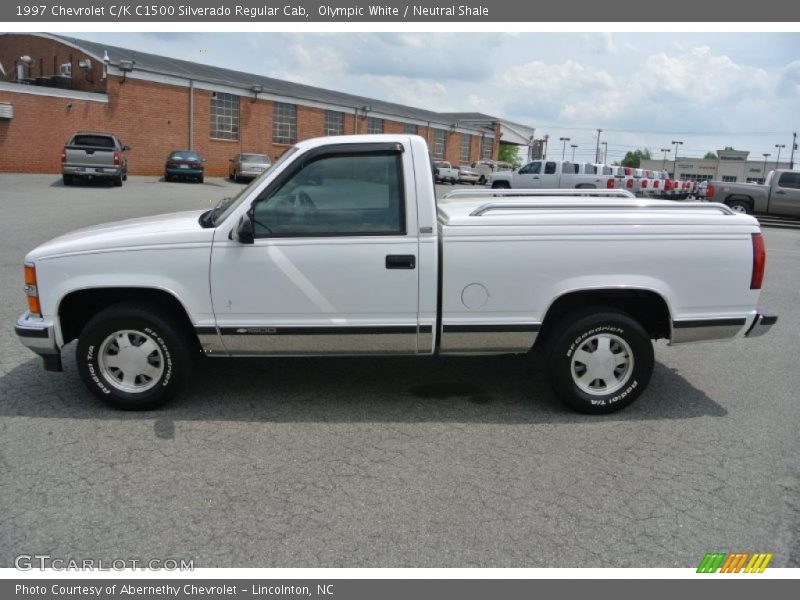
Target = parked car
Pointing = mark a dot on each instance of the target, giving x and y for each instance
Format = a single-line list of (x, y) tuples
[(485, 168), (779, 195), (549, 174), (184, 164), (445, 172), (467, 175), (247, 166), (93, 155), (701, 190), (343, 249)]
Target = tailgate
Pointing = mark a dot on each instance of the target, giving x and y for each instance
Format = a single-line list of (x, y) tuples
[(89, 156)]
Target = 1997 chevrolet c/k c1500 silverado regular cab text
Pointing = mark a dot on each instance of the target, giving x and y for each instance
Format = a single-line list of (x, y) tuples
[(340, 248)]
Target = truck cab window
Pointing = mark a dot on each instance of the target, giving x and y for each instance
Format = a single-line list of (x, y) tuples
[(550, 168), (533, 168), (339, 195), (789, 180)]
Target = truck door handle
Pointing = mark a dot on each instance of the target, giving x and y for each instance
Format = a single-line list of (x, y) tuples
[(779, 192), (536, 177), (401, 261)]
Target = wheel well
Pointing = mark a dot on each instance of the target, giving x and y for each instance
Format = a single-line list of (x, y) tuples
[(746, 199), (647, 307), (76, 308)]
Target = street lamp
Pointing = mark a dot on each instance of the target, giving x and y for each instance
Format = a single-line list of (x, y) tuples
[(777, 160), (573, 146), (563, 146), (664, 162), (675, 169), (546, 139), (597, 147), (764, 168), (794, 147), (605, 152)]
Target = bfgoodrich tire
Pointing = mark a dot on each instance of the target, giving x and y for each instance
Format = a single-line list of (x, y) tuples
[(132, 358), (600, 362)]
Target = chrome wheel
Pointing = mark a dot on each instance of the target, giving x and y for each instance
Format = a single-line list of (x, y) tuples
[(740, 208), (602, 364), (131, 361)]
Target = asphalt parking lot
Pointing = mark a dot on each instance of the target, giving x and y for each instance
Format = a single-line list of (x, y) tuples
[(387, 462)]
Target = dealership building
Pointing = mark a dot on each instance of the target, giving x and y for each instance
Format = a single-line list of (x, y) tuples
[(52, 86), (729, 165)]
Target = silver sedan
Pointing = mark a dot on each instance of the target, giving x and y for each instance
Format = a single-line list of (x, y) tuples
[(247, 166)]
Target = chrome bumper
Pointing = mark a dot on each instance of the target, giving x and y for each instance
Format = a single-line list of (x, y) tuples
[(40, 337), (761, 324)]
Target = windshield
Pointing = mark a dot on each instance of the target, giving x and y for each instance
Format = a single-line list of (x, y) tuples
[(232, 203), (184, 155), (255, 158)]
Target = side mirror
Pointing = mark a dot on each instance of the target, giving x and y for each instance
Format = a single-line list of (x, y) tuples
[(245, 233), (126, 148)]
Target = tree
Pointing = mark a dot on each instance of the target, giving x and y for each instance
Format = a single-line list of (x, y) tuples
[(635, 158), (710, 156), (508, 153)]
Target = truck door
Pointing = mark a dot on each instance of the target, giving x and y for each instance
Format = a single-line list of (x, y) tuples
[(551, 178), (529, 176), (333, 267), (785, 197)]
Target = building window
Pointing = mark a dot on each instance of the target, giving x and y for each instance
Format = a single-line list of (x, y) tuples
[(410, 128), (284, 124), (729, 178), (334, 122), (374, 125), (224, 116), (466, 148), (438, 143), (486, 148)]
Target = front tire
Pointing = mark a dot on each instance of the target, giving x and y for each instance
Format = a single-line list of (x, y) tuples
[(600, 361), (501, 185), (133, 358)]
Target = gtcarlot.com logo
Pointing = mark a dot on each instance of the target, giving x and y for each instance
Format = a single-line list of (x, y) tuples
[(42, 562), (735, 562)]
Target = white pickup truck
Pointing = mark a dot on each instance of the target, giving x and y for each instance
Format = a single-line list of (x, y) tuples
[(341, 248), (550, 174), (445, 172)]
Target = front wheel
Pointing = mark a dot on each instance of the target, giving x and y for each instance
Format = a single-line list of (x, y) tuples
[(132, 358), (482, 180), (600, 362), (501, 185)]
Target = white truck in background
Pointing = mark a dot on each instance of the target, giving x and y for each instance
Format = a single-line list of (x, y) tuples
[(444, 172), (550, 174)]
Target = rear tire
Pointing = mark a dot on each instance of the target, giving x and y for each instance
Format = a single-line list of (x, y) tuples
[(740, 206), (501, 185), (600, 361), (200, 179), (482, 180), (67, 179), (133, 358), (117, 181)]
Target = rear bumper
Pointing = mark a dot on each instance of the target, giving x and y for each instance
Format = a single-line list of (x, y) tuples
[(762, 323), (39, 335), (173, 172), (80, 171)]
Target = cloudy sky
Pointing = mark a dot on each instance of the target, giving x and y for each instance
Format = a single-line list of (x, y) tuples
[(644, 90)]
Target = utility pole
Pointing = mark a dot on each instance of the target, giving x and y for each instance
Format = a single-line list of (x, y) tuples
[(605, 152), (764, 168), (664, 162), (597, 148), (778, 159), (573, 146), (563, 146), (546, 139), (675, 169)]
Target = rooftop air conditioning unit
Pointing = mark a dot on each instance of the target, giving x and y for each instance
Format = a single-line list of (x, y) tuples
[(66, 70)]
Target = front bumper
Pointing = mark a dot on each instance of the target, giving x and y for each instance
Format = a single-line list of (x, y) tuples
[(39, 336), (762, 323)]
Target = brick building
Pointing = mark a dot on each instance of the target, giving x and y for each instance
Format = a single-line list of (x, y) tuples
[(56, 85)]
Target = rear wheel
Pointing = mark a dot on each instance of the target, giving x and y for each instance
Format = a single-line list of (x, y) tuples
[(200, 179), (67, 179), (117, 181), (482, 180), (600, 361), (132, 358), (501, 185), (740, 206)]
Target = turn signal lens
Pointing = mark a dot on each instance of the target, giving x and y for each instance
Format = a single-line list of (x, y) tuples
[(30, 275), (33, 306)]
